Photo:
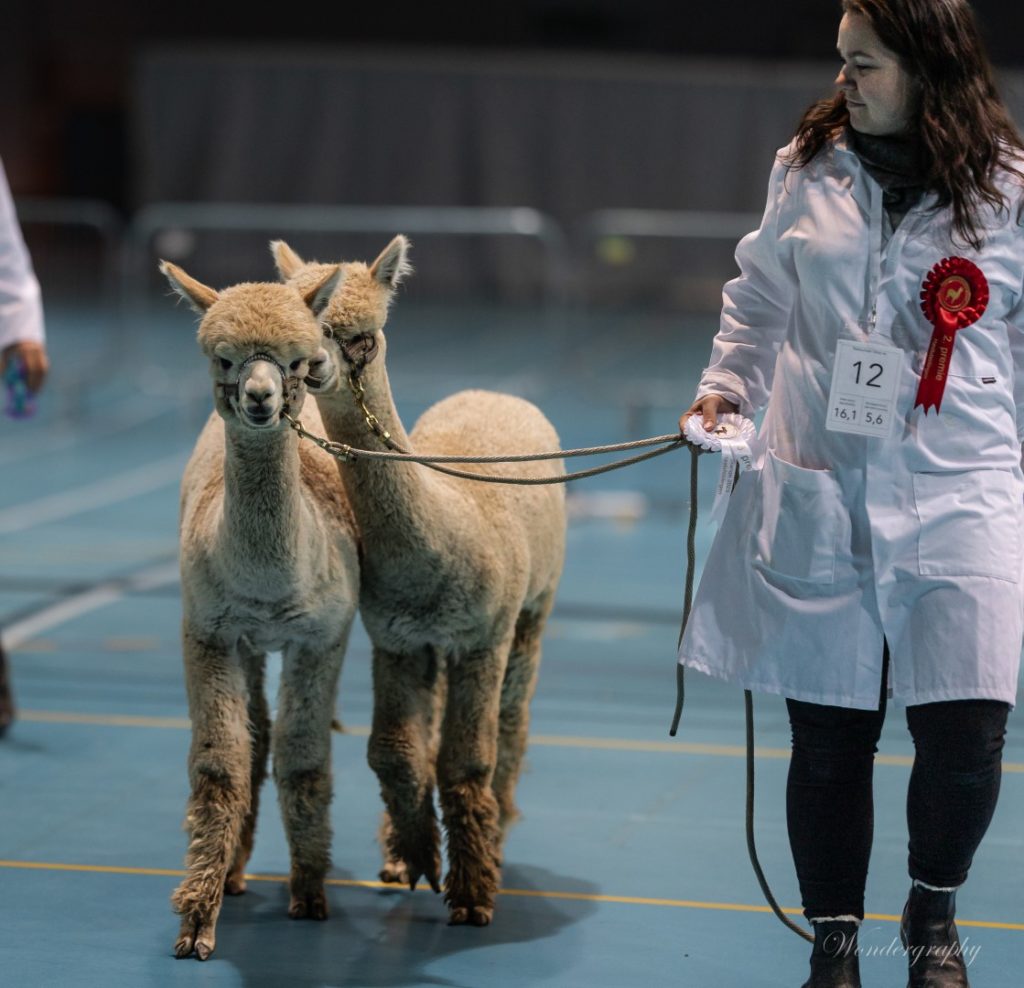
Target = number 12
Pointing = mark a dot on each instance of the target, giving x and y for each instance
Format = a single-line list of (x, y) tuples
[(870, 383)]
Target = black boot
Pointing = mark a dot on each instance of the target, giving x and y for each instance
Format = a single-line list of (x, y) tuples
[(929, 934), (6, 699), (834, 959)]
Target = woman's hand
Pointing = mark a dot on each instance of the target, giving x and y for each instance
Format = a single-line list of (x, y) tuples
[(708, 408), (33, 356)]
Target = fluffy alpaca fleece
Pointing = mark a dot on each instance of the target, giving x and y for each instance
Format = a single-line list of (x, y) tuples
[(269, 561), (458, 578)]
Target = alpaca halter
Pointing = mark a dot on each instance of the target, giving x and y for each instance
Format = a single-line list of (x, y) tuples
[(289, 382), (357, 352)]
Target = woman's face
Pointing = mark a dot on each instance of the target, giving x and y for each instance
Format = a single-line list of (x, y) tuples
[(879, 92)]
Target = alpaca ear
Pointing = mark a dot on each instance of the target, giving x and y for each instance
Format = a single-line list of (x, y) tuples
[(286, 260), (392, 265), (198, 295), (320, 294)]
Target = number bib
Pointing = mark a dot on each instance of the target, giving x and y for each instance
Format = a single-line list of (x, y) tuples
[(862, 398)]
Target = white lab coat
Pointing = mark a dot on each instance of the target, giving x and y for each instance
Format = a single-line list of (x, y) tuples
[(836, 541), (21, 309)]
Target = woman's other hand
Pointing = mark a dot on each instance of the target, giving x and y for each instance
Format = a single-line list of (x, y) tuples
[(33, 356), (708, 408)]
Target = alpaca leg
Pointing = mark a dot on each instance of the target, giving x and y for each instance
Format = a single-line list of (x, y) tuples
[(302, 771), (219, 771), (465, 772), (514, 717), (259, 738), (394, 870), (400, 753)]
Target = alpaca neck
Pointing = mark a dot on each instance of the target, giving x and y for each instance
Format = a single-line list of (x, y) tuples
[(406, 491), (262, 496), (378, 400)]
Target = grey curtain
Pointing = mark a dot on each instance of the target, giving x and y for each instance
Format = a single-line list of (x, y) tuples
[(566, 135)]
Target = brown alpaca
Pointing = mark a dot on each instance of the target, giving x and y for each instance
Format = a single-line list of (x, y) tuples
[(269, 562), (458, 579)]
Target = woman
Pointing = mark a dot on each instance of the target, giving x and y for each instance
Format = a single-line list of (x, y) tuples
[(877, 550)]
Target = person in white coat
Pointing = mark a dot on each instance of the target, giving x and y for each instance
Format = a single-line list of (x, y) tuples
[(22, 338), (876, 549)]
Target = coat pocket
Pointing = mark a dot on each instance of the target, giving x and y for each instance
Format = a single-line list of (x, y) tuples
[(969, 524), (802, 523)]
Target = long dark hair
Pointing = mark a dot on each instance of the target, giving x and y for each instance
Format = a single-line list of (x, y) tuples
[(965, 131)]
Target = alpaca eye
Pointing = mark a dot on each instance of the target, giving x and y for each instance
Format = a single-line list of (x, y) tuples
[(296, 364), (225, 364)]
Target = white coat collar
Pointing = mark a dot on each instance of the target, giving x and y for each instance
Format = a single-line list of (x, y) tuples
[(852, 175)]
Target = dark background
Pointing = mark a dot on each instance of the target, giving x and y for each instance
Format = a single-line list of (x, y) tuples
[(66, 69)]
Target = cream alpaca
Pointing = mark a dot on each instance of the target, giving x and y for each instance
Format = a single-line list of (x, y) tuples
[(458, 578), (269, 561)]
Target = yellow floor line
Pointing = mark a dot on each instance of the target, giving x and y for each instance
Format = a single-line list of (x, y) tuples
[(104, 720), (538, 740), (626, 900)]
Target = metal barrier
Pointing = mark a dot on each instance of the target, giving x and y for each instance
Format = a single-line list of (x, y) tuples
[(93, 214), (684, 255), (673, 224), (130, 244), (277, 218)]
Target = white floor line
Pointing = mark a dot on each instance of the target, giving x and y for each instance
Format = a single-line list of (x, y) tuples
[(111, 490), (101, 595)]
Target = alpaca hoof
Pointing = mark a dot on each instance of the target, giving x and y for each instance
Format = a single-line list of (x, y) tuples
[(195, 938), (470, 916), (426, 865), (434, 880), (394, 873), (311, 906), (235, 885)]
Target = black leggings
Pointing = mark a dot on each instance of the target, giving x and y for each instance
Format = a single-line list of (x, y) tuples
[(954, 785)]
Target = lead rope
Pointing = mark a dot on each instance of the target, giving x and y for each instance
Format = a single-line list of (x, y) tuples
[(691, 566), (748, 704), (349, 454)]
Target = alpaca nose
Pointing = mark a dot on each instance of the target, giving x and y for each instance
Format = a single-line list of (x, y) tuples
[(319, 365), (260, 387)]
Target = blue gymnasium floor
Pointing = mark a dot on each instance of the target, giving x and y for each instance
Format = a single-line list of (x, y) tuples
[(629, 866)]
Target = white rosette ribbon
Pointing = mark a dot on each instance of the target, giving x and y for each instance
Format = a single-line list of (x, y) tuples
[(733, 437)]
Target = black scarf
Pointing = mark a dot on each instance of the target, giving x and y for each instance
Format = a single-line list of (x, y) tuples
[(897, 165)]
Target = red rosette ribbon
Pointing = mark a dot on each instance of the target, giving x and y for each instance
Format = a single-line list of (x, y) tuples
[(953, 297)]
